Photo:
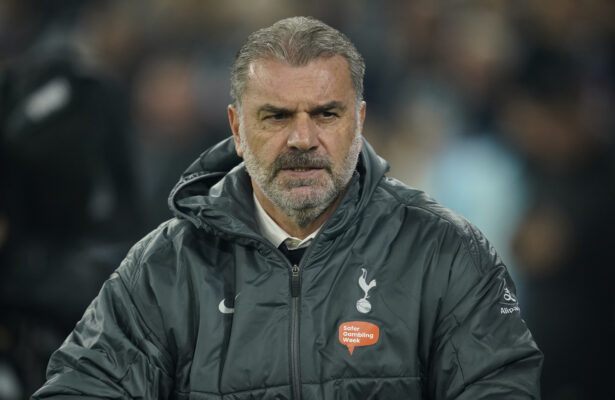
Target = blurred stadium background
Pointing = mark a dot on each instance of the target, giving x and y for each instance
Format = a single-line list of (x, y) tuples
[(501, 110)]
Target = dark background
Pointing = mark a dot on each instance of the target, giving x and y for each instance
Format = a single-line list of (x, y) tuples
[(502, 110)]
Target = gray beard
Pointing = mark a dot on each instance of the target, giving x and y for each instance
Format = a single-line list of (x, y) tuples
[(305, 210)]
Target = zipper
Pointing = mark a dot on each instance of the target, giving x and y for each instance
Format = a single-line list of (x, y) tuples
[(295, 292), (295, 281)]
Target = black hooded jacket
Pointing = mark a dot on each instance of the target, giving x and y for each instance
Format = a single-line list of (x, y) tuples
[(396, 298)]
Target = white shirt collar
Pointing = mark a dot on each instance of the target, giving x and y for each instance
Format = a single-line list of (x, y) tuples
[(275, 234)]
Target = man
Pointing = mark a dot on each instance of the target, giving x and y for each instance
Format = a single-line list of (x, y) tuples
[(302, 273)]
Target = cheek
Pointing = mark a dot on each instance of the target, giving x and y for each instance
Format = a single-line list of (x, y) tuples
[(265, 147), (338, 145)]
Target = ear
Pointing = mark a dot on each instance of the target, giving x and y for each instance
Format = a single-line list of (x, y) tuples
[(362, 115), (234, 120), (362, 118)]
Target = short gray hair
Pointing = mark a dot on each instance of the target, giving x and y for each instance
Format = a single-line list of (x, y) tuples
[(296, 41)]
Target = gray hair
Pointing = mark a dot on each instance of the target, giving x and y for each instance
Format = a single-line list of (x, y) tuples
[(296, 41)]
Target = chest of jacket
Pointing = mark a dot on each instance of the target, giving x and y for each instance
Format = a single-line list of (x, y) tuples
[(354, 326)]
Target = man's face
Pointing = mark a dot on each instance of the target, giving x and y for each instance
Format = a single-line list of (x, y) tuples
[(299, 133)]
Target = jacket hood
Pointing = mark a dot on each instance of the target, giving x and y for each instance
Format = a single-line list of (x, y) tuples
[(215, 192)]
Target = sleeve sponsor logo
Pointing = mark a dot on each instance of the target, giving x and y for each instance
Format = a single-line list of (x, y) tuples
[(509, 303), (509, 298), (509, 310), (358, 334)]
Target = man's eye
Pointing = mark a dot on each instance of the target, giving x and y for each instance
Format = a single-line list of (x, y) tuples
[(328, 114), (276, 117)]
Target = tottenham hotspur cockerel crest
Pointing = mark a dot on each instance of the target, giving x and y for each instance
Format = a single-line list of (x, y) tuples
[(363, 305)]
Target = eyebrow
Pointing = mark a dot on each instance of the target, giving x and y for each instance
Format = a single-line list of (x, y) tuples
[(328, 107), (270, 108)]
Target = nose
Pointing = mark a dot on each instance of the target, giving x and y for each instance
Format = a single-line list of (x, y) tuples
[(304, 134)]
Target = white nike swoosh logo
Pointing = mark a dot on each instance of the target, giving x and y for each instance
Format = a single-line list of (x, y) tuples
[(224, 309)]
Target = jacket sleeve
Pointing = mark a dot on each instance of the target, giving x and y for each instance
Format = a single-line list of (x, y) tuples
[(112, 352), (482, 348)]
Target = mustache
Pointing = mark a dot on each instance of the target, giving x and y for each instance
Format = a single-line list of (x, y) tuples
[(299, 159)]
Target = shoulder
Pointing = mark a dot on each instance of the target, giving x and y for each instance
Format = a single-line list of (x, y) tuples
[(444, 227), (419, 205), (158, 247)]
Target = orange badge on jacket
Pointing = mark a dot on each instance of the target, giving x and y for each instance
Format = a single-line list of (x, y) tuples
[(358, 333)]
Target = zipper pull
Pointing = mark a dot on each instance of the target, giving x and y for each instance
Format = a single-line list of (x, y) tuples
[(295, 281)]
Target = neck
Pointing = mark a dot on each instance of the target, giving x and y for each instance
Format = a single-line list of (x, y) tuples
[(287, 223)]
